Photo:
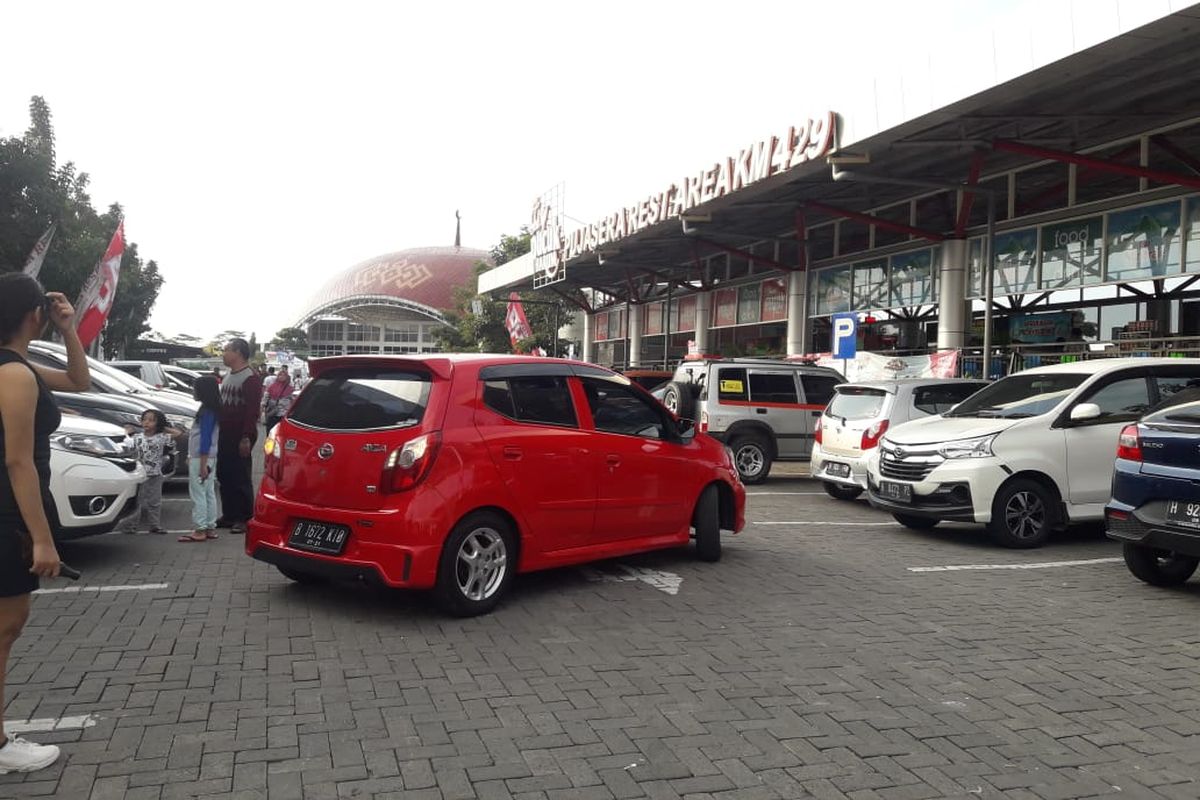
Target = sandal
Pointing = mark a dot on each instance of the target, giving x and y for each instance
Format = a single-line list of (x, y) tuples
[(197, 536), (211, 534)]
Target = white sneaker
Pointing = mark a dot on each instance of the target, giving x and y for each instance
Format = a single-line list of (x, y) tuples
[(20, 755)]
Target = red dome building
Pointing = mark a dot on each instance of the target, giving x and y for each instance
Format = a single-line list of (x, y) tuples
[(389, 304)]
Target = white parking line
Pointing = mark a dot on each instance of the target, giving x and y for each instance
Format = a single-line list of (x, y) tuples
[(823, 522), (128, 587), (49, 724), (1031, 565)]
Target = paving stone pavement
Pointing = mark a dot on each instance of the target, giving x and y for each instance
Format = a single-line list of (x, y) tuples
[(809, 663)]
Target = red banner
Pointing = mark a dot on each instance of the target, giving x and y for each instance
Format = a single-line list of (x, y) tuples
[(687, 314), (601, 330), (516, 322), (654, 319), (96, 299), (725, 307), (774, 300)]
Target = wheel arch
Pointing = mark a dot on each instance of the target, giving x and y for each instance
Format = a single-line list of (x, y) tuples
[(507, 516), (753, 428), (726, 504), (1046, 482)]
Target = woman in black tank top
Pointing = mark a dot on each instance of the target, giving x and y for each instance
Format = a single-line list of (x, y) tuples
[(28, 415)]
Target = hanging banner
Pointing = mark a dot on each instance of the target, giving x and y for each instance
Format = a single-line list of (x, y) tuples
[(880, 366), (774, 300), (724, 307), (96, 299), (516, 322), (33, 265)]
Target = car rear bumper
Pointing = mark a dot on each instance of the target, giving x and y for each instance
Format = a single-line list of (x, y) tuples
[(857, 463), (392, 548), (1137, 512), (1161, 536)]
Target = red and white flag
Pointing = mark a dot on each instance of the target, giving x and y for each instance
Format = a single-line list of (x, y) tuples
[(516, 322), (33, 265), (96, 299)]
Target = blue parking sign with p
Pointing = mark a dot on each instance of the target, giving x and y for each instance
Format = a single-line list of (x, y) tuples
[(844, 335)]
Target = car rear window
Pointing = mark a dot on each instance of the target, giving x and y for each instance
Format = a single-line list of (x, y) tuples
[(363, 399), (856, 402), (940, 399)]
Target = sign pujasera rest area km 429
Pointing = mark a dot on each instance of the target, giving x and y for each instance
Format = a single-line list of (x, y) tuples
[(799, 144)]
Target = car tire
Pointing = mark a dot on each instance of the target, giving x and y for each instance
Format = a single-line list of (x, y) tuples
[(840, 492), (913, 522), (477, 564), (678, 399), (752, 458), (706, 519), (300, 576), (1159, 567), (1023, 514)]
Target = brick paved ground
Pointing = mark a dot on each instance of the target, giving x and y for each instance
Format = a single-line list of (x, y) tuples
[(809, 663)]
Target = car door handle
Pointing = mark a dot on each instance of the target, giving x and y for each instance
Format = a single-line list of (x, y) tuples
[(512, 453), (613, 460), (760, 411)]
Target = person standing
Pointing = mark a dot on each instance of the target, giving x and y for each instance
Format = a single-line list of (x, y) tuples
[(269, 379), (241, 396), (278, 398), (202, 455), (153, 447), (28, 415)]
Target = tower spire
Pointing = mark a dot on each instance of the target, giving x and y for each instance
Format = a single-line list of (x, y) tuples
[(457, 229)]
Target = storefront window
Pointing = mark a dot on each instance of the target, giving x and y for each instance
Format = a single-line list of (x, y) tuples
[(831, 291), (870, 284), (600, 329), (1193, 234), (724, 307), (975, 268), (912, 278), (774, 300), (653, 325), (1113, 320), (683, 314), (749, 298), (1071, 253), (1016, 261), (1143, 242)]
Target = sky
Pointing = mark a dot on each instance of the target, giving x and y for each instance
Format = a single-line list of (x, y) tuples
[(260, 148)]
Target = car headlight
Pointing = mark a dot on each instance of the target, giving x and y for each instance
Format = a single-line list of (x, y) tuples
[(979, 447), (100, 446), (179, 422)]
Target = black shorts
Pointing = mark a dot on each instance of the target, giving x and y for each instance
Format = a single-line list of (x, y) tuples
[(15, 559)]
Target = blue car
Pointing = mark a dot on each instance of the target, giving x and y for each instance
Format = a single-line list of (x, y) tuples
[(1155, 505)]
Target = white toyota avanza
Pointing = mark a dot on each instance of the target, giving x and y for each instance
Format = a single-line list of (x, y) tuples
[(1028, 454)]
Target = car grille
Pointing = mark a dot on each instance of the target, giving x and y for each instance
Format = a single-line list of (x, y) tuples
[(906, 467)]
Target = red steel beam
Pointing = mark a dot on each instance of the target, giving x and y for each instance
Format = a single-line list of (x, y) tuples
[(887, 225), (578, 302), (964, 213), (1101, 164), (734, 251), (1085, 174)]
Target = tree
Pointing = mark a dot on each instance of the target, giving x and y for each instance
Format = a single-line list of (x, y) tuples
[(294, 340), (218, 342), (476, 323), (34, 192)]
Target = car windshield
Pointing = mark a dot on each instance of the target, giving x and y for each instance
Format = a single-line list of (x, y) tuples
[(856, 402), (1019, 396), (128, 383), (363, 398)]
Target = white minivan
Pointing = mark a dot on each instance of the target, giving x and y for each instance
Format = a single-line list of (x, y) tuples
[(94, 477), (1028, 454)]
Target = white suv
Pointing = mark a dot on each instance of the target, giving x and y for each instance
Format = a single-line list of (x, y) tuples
[(94, 477), (1026, 455)]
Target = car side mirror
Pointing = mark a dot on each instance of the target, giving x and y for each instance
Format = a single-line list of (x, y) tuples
[(686, 428), (1084, 412)]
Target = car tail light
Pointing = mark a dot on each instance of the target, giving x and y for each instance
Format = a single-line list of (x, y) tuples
[(873, 434), (273, 458), (408, 465), (1129, 445), (817, 431), (1119, 516)]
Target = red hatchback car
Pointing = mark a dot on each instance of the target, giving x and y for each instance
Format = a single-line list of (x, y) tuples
[(453, 472)]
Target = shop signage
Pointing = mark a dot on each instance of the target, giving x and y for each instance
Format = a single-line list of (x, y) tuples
[(799, 144), (547, 241), (724, 307), (1040, 328), (774, 300)]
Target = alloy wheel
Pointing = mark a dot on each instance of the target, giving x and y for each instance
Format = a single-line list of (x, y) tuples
[(1025, 515), (481, 564), (749, 460)]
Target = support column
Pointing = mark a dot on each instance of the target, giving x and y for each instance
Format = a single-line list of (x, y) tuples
[(797, 313), (633, 317), (703, 321), (952, 295), (586, 346)]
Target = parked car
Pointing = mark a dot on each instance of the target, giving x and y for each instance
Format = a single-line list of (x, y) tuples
[(861, 413), (1155, 507), (94, 478), (150, 372), (765, 410), (1027, 454), (179, 409), (453, 472), (649, 379), (183, 378)]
